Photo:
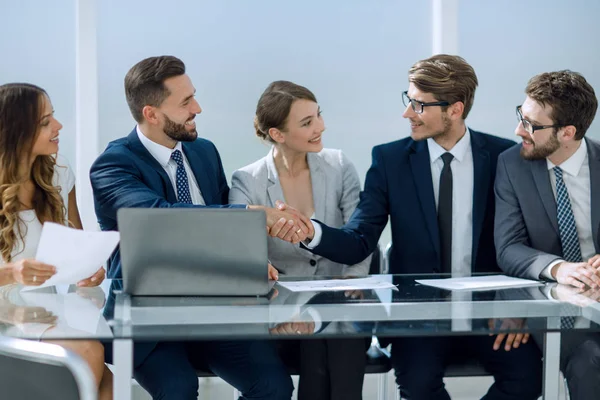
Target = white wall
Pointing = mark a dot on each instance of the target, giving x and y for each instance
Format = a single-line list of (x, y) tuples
[(37, 45), (510, 41), (352, 54)]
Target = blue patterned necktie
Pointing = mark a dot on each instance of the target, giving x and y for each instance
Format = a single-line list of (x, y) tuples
[(568, 232), (183, 187), (566, 221)]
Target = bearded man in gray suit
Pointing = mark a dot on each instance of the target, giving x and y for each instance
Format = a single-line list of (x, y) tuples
[(548, 206)]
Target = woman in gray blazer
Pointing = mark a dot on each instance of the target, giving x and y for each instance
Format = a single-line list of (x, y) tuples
[(322, 184)]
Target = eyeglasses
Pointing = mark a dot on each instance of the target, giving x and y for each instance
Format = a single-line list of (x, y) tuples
[(417, 105), (529, 127)]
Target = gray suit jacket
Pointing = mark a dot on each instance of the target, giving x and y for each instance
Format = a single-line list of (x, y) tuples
[(526, 228), (336, 189)]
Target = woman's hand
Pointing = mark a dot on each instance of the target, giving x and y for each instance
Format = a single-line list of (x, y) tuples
[(32, 272), (273, 274), (93, 280), (17, 315)]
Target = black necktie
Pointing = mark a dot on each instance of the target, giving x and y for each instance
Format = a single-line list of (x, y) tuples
[(445, 213)]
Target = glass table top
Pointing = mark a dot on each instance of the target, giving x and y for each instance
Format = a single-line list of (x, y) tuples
[(411, 309)]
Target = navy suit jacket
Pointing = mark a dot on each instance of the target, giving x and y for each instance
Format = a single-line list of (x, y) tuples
[(127, 175), (399, 185)]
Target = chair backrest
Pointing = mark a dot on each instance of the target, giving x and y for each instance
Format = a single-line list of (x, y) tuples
[(35, 370), (385, 269)]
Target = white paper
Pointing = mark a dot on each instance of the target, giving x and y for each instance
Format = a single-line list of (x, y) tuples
[(479, 282), (332, 285), (76, 254)]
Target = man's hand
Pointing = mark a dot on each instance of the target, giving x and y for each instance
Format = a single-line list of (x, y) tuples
[(93, 280), (288, 225), (576, 296), (355, 294), (594, 262), (305, 222), (273, 274), (576, 274), (513, 340), (294, 328)]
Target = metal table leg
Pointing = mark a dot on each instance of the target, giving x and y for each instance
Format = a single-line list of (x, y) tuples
[(551, 363), (123, 362)]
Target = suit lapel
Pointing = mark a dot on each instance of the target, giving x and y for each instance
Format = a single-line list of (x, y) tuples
[(318, 180), (273, 185), (420, 164), (200, 169), (594, 163), (481, 184), (539, 169), (138, 148)]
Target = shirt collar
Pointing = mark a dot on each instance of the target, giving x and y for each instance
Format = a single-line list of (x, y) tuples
[(161, 153), (458, 151), (573, 164)]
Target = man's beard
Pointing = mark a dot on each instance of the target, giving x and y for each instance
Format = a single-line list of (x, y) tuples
[(539, 152), (445, 130), (178, 132)]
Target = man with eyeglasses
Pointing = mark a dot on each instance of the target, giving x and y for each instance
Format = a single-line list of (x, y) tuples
[(548, 207), (436, 186)]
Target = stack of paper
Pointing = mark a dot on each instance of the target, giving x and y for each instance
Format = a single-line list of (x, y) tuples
[(479, 282), (332, 285)]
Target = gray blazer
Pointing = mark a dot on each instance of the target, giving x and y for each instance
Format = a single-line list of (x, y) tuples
[(526, 228), (336, 189)]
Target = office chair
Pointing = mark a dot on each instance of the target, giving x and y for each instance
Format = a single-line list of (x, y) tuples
[(36, 370)]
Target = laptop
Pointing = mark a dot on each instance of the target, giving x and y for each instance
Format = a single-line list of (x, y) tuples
[(193, 252)]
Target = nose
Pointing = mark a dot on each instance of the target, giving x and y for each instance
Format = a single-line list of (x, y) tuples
[(321, 126), (520, 131), (408, 112), (59, 126), (196, 109)]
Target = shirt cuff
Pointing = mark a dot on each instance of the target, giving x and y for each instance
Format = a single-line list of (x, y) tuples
[(311, 244), (547, 272)]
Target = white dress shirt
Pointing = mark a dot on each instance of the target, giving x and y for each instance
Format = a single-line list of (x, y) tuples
[(462, 198), (576, 175), (162, 154)]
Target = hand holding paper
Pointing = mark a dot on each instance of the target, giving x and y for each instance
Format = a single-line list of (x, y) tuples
[(76, 254), (32, 272)]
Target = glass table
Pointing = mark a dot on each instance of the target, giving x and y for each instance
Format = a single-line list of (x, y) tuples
[(107, 313)]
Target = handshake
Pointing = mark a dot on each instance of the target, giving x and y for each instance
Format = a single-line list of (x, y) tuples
[(287, 223)]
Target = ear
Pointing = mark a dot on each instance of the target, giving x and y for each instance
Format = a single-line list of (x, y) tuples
[(150, 115), (276, 135), (455, 111), (568, 132)]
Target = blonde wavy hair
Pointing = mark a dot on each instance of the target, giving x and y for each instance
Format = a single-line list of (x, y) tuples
[(21, 109)]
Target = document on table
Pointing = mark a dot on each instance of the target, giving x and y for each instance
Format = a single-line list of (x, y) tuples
[(332, 285), (479, 282), (76, 254)]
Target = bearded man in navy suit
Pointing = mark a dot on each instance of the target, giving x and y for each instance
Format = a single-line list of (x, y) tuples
[(163, 164)]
